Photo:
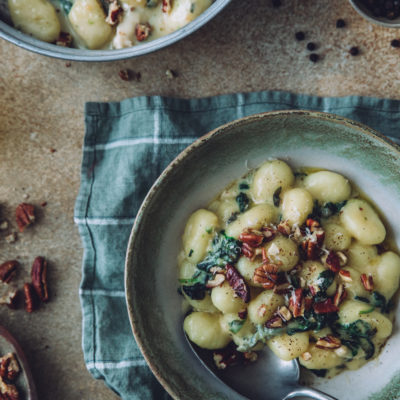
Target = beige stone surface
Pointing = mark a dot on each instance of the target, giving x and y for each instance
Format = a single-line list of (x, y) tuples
[(249, 46)]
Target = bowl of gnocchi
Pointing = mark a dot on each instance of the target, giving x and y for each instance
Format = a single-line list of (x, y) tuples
[(102, 30), (275, 233)]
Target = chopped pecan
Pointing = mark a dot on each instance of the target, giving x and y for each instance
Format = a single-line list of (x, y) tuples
[(248, 251), (284, 313), (30, 298), (39, 278), (333, 261), (243, 314), (166, 6), (266, 275), (237, 283), (311, 248), (8, 391), (312, 224), (283, 288), (314, 289), (265, 258), (64, 40), (308, 301), (342, 257), (142, 31), (9, 367), (328, 342), (114, 13), (262, 310), (8, 270), (340, 295), (367, 281), (274, 322), (251, 238), (10, 298), (306, 356), (25, 215), (227, 357), (296, 303), (325, 307), (250, 356), (218, 280), (345, 275), (268, 232), (284, 228)]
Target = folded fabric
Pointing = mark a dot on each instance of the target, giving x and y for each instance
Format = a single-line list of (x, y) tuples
[(127, 145)]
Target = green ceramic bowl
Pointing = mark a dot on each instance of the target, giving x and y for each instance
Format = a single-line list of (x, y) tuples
[(196, 176)]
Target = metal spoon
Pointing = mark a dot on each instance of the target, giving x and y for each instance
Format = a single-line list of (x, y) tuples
[(268, 378)]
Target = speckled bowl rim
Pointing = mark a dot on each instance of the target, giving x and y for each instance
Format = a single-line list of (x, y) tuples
[(375, 20), (130, 298), (27, 42)]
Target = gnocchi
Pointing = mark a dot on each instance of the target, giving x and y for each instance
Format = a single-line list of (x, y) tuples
[(292, 264), (96, 24)]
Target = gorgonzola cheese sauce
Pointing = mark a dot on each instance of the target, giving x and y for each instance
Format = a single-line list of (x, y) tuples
[(97, 24), (295, 260)]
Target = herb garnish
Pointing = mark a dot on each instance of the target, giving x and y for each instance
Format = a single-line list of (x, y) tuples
[(326, 210), (243, 202), (325, 279), (276, 199), (236, 325), (190, 253), (244, 186), (195, 287)]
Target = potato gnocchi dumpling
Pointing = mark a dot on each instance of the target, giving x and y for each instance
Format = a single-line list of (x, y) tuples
[(98, 24), (289, 260)]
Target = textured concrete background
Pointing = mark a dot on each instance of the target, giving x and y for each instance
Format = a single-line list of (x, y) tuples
[(249, 46)]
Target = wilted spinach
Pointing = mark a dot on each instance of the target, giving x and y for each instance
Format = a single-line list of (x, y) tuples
[(243, 202), (276, 199), (195, 287), (236, 325)]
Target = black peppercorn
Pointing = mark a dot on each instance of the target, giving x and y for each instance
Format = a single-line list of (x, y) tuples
[(395, 43), (354, 51), (314, 57), (340, 23), (311, 46), (300, 35)]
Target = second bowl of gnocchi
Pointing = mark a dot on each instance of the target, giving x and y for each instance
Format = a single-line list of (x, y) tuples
[(281, 236)]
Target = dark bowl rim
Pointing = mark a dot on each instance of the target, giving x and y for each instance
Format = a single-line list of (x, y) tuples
[(27, 42), (364, 129)]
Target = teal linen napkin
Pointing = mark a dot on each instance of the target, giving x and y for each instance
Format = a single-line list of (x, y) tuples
[(127, 145)]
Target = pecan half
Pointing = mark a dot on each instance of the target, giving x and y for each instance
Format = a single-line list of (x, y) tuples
[(340, 295), (367, 281), (274, 322), (39, 278), (283, 288), (227, 357), (30, 298), (8, 391), (8, 270), (252, 239), (296, 303), (166, 6), (142, 31), (311, 248), (237, 283), (242, 314), (64, 40), (9, 367), (325, 307), (328, 342), (25, 215), (114, 13), (248, 251), (266, 275), (268, 232)]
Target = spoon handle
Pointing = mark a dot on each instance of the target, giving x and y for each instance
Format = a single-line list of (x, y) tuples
[(310, 393)]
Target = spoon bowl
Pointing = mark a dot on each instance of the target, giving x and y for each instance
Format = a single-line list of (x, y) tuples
[(268, 374)]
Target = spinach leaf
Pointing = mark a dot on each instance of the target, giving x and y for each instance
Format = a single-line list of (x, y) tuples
[(244, 186), (233, 217), (276, 199), (367, 311), (243, 202), (356, 335), (360, 298), (224, 250), (261, 335), (190, 253), (379, 301), (299, 174), (236, 325), (327, 209), (325, 279), (195, 287), (66, 5), (311, 321)]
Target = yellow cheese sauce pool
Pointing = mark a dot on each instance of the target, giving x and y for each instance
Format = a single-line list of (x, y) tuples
[(96, 24)]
